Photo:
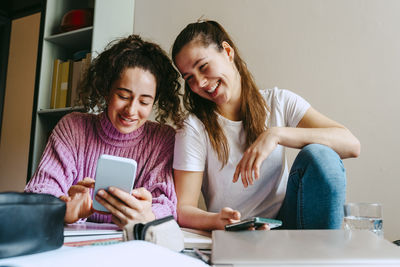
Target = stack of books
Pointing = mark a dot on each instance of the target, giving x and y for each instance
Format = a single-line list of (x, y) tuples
[(88, 233), (66, 77)]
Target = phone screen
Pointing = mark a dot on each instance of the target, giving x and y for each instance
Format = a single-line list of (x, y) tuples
[(113, 171)]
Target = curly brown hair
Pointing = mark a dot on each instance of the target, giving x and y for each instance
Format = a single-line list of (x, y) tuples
[(253, 109), (131, 52)]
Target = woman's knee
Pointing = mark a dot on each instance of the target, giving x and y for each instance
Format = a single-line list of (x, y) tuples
[(322, 164)]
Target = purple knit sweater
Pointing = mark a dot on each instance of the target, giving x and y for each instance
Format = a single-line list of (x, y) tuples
[(79, 139)]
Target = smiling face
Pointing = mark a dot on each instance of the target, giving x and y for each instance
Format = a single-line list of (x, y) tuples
[(131, 99), (210, 73)]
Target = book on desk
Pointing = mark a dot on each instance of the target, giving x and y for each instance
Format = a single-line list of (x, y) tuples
[(88, 233), (196, 239)]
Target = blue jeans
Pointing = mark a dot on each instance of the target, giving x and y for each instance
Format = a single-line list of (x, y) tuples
[(316, 190)]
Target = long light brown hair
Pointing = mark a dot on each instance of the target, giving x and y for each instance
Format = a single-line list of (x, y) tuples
[(253, 108)]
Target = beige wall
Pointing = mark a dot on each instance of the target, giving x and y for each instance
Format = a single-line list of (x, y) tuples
[(18, 101), (343, 56)]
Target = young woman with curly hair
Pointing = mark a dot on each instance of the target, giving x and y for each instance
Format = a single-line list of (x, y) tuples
[(122, 85)]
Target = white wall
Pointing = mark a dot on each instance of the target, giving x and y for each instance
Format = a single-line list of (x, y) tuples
[(342, 56)]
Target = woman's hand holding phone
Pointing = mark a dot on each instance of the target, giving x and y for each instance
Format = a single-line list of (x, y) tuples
[(124, 207), (226, 216), (254, 223), (78, 201), (264, 227)]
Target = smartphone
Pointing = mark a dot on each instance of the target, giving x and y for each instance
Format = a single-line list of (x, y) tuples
[(113, 171), (252, 222)]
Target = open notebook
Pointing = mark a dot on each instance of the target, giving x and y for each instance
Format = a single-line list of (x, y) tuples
[(131, 253)]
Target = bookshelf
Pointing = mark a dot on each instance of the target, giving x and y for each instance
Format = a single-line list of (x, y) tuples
[(111, 20), (73, 40)]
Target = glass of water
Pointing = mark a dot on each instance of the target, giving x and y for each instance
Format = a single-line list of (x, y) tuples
[(363, 216)]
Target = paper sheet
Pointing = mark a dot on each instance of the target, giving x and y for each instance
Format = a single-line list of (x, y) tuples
[(132, 253)]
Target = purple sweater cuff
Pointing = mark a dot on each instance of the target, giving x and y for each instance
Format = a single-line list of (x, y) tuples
[(161, 211)]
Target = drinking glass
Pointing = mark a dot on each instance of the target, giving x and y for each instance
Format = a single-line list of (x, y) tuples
[(364, 216)]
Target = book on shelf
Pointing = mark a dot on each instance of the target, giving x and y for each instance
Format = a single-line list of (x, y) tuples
[(86, 63), (62, 91), (65, 81), (77, 72), (54, 84), (75, 78)]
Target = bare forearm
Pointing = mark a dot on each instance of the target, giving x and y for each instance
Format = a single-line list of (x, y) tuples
[(193, 217), (339, 139)]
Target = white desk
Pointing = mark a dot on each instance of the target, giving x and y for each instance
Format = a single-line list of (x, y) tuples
[(275, 243), (132, 253), (303, 248)]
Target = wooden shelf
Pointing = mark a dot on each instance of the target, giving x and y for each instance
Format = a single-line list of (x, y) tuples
[(59, 112)]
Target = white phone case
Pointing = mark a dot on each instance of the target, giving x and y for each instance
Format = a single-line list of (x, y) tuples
[(113, 171)]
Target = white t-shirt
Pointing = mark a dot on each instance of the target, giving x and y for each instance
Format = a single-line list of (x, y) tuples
[(193, 152)]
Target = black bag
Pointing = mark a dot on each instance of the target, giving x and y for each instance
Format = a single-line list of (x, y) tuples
[(30, 223)]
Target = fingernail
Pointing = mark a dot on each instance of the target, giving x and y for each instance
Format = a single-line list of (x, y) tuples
[(101, 192), (111, 189)]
